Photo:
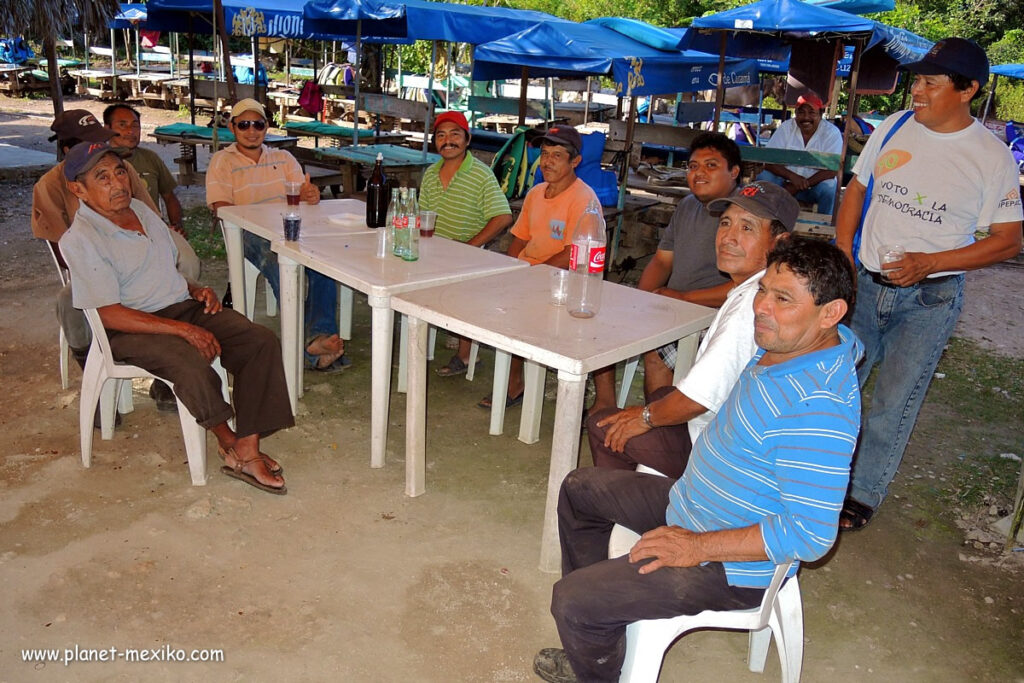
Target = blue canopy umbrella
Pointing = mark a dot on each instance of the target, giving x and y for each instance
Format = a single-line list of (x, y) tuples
[(423, 20), (1008, 70), (592, 48), (856, 6)]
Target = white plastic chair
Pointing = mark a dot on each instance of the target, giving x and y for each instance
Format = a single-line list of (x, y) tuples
[(780, 614), (101, 367), (62, 341), (251, 277)]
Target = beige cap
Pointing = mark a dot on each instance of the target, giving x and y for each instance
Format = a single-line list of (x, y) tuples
[(248, 104)]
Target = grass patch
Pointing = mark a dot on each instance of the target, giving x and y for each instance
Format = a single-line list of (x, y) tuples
[(208, 243), (984, 392)]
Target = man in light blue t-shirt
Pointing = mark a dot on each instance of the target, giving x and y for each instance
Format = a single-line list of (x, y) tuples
[(764, 484)]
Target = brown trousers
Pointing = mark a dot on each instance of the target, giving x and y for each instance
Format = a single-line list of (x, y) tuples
[(250, 352), (665, 449)]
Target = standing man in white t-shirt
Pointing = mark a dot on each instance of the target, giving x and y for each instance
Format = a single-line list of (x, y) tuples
[(806, 131), (939, 178)]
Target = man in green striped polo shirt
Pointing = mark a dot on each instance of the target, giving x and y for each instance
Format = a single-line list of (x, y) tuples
[(470, 206)]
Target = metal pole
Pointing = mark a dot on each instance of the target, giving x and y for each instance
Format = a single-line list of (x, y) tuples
[(991, 94), (523, 82), (720, 93), (359, 54), (430, 95), (191, 74), (586, 103), (858, 51)]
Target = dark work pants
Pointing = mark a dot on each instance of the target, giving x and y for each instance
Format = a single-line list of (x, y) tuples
[(597, 598), (666, 449), (250, 352)]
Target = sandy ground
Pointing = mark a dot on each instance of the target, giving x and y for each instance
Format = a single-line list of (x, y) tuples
[(346, 579)]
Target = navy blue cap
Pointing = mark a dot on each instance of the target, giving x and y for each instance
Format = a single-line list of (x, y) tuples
[(953, 56), (84, 156)]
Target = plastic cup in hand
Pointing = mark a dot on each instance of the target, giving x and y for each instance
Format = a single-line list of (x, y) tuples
[(889, 253), (427, 220), (292, 192), (559, 286), (292, 223)]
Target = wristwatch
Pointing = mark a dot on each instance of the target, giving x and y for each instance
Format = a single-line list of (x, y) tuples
[(645, 415)]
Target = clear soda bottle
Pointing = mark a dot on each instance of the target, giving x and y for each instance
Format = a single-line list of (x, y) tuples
[(412, 209), (389, 225), (587, 263), (400, 221)]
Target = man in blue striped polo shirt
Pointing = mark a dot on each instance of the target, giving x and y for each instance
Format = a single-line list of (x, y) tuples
[(764, 484)]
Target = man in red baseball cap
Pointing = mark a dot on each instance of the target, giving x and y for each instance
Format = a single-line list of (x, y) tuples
[(804, 131), (470, 205)]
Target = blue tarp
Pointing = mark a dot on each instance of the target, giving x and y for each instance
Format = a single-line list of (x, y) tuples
[(421, 19), (759, 31), (277, 18), (567, 49), (856, 6), (130, 16), (1011, 70)]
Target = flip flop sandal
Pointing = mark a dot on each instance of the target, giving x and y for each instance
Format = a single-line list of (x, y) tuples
[(266, 460), (253, 481), (237, 472), (456, 366), (340, 363), (857, 514), (512, 402)]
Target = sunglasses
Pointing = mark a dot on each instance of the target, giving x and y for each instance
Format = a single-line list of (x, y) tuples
[(244, 125)]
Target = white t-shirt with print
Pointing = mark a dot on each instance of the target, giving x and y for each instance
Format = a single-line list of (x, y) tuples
[(933, 190)]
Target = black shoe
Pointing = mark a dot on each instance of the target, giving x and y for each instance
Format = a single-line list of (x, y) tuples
[(553, 666), (164, 397), (96, 419)]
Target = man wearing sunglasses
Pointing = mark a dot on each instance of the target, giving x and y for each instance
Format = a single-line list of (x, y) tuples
[(249, 172)]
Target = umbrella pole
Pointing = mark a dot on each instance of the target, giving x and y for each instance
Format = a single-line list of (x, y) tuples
[(113, 64), (624, 176), (138, 52), (586, 104), (991, 94), (523, 80), (359, 55), (851, 109), (260, 93), (551, 99), (430, 95), (448, 81), (720, 92), (760, 108), (191, 73)]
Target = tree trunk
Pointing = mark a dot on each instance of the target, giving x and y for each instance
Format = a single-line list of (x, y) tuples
[(53, 71)]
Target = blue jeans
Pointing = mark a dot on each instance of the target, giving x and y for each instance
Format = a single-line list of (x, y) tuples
[(321, 295), (903, 330), (823, 194)]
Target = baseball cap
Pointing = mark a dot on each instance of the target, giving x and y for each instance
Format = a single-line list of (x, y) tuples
[(79, 124), (456, 117), (953, 55), (84, 156), (811, 99), (763, 199), (566, 136), (248, 104)]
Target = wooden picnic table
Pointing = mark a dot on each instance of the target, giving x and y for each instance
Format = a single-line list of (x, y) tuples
[(403, 162)]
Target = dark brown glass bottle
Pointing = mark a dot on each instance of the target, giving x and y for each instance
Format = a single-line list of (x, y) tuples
[(377, 196)]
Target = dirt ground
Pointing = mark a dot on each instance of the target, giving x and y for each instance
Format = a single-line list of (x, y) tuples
[(347, 579)]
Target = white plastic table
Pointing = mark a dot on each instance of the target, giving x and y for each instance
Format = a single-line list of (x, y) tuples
[(265, 220), (517, 318), (351, 260)]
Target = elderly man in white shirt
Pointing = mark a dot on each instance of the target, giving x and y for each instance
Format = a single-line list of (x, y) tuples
[(805, 132)]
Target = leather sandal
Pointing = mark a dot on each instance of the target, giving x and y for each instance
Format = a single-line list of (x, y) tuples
[(237, 471), (855, 515)]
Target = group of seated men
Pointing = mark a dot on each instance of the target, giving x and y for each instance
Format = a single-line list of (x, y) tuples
[(757, 440)]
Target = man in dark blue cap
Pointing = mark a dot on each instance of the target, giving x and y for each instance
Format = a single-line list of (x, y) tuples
[(928, 179)]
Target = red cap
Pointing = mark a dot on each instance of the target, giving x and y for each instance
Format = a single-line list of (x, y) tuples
[(456, 117), (811, 99)]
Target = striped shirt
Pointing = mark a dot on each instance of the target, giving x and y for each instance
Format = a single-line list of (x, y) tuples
[(778, 454), (470, 201), (236, 179)]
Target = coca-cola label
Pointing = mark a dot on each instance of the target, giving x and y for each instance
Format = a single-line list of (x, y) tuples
[(596, 259)]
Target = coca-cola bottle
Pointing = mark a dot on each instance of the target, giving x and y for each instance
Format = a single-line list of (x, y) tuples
[(401, 241), (411, 251), (377, 195), (587, 263)]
